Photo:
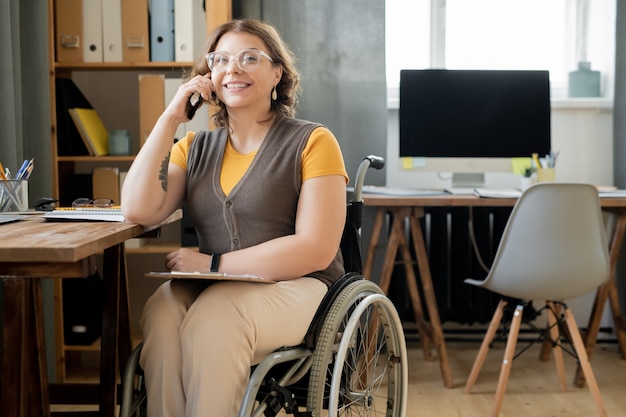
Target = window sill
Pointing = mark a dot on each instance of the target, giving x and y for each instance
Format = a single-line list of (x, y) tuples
[(599, 103), (559, 103)]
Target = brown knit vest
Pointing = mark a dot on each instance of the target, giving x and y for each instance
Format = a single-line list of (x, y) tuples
[(262, 205)]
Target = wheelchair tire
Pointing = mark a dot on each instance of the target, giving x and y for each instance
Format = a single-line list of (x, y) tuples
[(133, 400), (359, 364)]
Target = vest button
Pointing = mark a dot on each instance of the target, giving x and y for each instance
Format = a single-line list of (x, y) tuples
[(236, 240), (229, 204)]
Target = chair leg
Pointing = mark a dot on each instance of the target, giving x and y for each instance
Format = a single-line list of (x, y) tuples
[(509, 352), (583, 360), (555, 335), (484, 347)]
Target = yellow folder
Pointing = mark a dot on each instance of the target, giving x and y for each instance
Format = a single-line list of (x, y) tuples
[(92, 130)]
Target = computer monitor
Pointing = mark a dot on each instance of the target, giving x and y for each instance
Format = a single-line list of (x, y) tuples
[(473, 120)]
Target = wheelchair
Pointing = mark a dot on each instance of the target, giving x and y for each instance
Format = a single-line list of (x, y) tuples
[(352, 362)]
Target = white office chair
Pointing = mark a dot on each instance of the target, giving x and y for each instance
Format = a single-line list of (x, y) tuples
[(553, 248)]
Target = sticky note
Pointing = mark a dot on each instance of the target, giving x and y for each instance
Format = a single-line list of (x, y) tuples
[(409, 162), (519, 165)]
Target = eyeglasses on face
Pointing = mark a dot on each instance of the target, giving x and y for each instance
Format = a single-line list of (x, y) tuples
[(247, 60), (87, 202)]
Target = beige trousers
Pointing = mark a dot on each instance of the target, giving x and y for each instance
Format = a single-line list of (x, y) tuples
[(200, 341)]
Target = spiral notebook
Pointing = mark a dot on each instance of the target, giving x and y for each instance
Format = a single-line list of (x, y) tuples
[(85, 214)]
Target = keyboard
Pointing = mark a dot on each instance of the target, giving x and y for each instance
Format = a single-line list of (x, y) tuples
[(461, 190), (498, 192), (485, 192), (401, 191)]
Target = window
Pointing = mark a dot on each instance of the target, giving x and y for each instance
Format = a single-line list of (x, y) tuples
[(501, 34)]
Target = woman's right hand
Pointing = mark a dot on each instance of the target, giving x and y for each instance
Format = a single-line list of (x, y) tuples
[(185, 259)]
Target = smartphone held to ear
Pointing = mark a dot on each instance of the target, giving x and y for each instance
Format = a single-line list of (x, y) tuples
[(195, 101)]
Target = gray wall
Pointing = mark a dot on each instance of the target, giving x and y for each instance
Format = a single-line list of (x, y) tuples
[(340, 47)]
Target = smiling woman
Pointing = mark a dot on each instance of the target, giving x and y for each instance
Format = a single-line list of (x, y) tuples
[(253, 188)]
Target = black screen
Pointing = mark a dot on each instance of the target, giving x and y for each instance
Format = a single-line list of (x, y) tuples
[(474, 113)]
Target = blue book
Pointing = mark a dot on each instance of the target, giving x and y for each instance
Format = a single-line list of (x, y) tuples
[(161, 30)]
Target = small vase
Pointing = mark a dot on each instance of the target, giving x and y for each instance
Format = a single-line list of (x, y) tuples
[(584, 82)]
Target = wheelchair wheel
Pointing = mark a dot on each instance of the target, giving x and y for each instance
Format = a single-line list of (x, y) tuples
[(359, 364), (133, 401)]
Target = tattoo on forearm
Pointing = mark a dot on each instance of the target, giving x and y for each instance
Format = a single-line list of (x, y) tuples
[(163, 171)]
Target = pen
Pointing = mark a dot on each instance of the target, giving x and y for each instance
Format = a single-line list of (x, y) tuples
[(28, 171), (536, 160), (25, 173), (20, 171), (555, 155)]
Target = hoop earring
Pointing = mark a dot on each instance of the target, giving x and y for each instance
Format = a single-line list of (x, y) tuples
[(274, 94)]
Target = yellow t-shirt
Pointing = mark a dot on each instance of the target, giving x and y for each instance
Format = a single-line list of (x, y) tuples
[(321, 156)]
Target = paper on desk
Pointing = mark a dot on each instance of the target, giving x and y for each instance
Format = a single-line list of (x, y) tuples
[(614, 193)]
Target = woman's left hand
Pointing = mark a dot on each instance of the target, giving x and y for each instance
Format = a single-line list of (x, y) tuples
[(187, 260)]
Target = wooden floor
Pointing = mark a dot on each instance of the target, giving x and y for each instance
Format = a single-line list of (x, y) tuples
[(533, 389)]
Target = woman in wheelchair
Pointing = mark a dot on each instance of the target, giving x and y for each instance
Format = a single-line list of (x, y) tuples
[(267, 195)]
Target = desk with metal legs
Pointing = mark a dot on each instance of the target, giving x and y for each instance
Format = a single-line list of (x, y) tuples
[(411, 209)]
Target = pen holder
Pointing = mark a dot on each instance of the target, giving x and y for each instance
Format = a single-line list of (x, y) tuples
[(13, 195), (546, 175)]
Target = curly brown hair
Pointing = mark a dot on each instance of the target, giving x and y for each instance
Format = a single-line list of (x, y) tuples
[(287, 88)]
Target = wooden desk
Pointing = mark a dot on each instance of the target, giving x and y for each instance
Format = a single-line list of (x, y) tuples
[(33, 249), (431, 333)]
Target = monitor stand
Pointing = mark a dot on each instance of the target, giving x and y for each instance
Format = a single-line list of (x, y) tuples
[(468, 180), (465, 183)]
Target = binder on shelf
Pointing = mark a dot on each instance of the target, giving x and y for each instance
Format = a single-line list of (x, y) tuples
[(91, 130), (162, 30), (92, 30), (151, 93), (112, 30), (189, 29), (69, 30), (218, 12), (135, 33), (171, 87), (106, 183)]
